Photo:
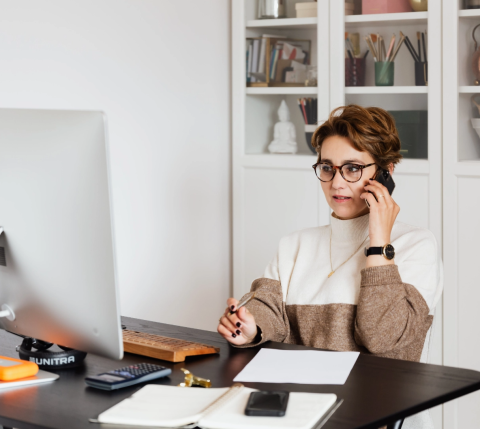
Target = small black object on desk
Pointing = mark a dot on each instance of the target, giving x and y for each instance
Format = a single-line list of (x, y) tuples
[(378, 392), (261, 403)]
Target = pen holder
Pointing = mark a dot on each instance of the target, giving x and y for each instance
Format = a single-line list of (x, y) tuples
[(421, 73), (384, 73), (309, 130), (354, 72)]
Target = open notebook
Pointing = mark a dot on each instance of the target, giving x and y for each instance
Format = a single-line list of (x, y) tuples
[(222, 408)]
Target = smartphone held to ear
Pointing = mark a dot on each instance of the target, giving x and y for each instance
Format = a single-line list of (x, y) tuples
[(385, 178)]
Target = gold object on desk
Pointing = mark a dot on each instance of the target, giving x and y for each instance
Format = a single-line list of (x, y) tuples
[(192, 380), (419, 5)]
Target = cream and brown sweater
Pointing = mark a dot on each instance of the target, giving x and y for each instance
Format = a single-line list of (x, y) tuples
[(385, 310)]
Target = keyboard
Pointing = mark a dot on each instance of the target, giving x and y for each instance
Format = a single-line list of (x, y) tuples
[(165, 348)]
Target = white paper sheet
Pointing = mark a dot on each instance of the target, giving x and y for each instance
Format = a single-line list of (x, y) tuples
[(40, 377), (298, 366)]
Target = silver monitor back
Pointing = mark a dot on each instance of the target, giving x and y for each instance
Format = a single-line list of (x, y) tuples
[(59, 276)]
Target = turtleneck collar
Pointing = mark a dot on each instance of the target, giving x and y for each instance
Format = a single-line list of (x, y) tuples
[(352, 230)]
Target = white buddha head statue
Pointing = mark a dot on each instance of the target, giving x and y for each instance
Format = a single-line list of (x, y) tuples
[(283, 112)]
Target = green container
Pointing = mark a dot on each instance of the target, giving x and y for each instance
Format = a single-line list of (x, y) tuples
[(412, 126), (384, 73)]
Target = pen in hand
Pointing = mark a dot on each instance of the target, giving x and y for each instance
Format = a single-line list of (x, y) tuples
[(243, 302)]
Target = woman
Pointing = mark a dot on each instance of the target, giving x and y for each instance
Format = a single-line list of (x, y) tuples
[(321, 290)]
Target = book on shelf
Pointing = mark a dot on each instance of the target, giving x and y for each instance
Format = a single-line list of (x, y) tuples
[(218, 408), (277, 61), (255, 53), (249, 63), (247, 56), (261, 60)]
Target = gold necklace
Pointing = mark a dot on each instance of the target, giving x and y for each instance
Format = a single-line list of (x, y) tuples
[(331, 266)]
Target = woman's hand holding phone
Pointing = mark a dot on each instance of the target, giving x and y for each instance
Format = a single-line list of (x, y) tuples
[(383, 212), (237, 327)]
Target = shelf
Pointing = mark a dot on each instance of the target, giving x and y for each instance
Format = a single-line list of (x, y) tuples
[(467, 168), (413, 166), (286, 23), (386, 89), (469, 89), (305, 162), (313, 90), (469, 13), (406, 18), (278, 160)]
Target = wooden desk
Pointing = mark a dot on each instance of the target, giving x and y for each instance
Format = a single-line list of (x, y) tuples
[(378, 392)]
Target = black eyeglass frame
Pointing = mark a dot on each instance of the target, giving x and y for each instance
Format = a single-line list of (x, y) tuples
[(339, 167)]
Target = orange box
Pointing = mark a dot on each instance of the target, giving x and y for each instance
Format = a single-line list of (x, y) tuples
[(385, 6), (13, 369)]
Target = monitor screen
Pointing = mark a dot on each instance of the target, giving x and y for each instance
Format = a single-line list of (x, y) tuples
[(57, 259)]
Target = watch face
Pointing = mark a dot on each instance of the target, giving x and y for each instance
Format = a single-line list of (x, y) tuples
[(389, 251)]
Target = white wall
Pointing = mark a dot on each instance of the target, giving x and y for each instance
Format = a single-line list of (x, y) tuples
[(161, 72)]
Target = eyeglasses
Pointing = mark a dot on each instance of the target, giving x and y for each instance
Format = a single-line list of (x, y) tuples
[(350, 172)]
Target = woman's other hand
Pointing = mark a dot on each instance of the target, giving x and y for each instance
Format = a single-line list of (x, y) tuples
[(237, 328), (383, 212)]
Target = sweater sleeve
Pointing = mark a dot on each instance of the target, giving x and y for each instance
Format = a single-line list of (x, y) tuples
[(268, 308), (392, 317), (397, 302)]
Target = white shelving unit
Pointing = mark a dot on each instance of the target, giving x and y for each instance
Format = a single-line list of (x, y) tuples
[(298, 162), (306, 90), (461, 204), (290, 23), (386, 19), (468, 13), (386, 90), (468, 89)]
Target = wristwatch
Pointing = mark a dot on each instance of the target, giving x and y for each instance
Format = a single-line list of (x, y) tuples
[(388, 251)]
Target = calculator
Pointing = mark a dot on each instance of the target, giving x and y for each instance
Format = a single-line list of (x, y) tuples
[(127, 376)]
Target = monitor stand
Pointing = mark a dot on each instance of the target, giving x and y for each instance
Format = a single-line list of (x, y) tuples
[(48, 359), (44, 358)]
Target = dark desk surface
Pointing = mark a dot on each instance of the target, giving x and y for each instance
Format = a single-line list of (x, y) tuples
[(378, 392)]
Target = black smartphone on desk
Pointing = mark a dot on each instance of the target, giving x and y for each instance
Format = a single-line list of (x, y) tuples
[(385, 178), (262, 403)]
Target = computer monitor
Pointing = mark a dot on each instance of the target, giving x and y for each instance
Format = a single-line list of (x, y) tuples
[(57, 255)]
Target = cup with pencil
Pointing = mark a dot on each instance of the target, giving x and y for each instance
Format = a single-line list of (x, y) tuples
[(354, 61), (421, 63), (308, 109), (384, 60)]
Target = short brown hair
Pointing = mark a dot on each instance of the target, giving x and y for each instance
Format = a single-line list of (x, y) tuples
[(369, 129)]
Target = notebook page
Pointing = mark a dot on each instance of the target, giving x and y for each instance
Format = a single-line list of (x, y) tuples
[(157, 405), (303, 411)]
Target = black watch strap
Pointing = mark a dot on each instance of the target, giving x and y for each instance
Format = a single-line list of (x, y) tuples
[(373, 251), (387, 251)]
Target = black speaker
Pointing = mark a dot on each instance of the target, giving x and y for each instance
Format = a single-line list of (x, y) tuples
[(47, 359)]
